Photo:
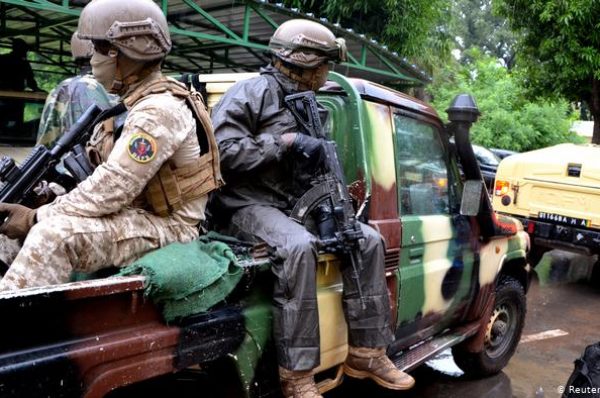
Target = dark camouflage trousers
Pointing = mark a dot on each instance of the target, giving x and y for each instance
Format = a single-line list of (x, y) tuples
[(295, 312), (59, 245)]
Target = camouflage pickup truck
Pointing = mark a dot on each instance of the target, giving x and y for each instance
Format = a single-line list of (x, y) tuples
[(456, 274), (555, 192)]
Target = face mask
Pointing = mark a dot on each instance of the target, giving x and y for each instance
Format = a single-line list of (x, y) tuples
[(320, 77), (104, 69)]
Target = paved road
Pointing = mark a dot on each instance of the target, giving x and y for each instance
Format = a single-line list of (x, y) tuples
[(561, 299)]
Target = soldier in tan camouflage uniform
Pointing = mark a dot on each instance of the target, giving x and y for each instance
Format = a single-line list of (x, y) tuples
[(64, 105), (71, 97), (151, 186)]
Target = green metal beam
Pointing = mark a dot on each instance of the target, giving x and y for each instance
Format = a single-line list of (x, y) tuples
[(52, 72), (351, 58), (212, 19), (50, 37), (212, 54), (48, 25), (219, 39), (385, 61), (363, 55), (354, 64), (53, 62), (190, 25), (45, 6), (246, 33), (265, 17), (245, 37), (398, 76), (219, 35)]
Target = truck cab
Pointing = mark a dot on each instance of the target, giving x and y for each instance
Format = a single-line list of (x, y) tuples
[(453, 281)]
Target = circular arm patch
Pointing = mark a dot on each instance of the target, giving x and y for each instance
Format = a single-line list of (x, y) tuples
[(142, 147)]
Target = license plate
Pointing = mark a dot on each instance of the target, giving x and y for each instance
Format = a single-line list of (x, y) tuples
[(557, 218)]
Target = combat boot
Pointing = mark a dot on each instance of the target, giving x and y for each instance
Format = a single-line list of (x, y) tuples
[(372, 363), (298, 384)]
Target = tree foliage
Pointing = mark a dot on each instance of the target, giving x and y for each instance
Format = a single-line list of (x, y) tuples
[(509, 120), (474, 24), (559, 48)]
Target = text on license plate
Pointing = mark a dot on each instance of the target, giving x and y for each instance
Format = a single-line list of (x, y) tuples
[(557, 218)]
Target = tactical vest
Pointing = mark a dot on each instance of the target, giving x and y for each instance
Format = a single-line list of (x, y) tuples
[(172, 186)]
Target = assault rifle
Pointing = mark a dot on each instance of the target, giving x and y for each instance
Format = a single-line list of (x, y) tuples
[(328, 200), (18, 182)]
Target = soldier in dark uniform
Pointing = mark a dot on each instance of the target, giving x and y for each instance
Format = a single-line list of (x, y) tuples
[(260, 147), (15, 71)]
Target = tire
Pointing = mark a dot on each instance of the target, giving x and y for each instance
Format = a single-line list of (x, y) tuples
[(503, 332)]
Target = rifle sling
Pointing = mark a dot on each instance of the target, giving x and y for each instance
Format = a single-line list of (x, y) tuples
[(111, 112)]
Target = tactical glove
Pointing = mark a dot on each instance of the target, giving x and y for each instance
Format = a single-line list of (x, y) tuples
[(18, 220), (310, 150)]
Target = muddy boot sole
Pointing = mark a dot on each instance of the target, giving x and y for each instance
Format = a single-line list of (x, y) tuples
[(363, 374)]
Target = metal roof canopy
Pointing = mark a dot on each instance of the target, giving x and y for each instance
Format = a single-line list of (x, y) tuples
[(208, 36)]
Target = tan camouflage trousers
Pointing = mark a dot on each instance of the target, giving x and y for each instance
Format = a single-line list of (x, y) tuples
[(57, 246), (9, 248)]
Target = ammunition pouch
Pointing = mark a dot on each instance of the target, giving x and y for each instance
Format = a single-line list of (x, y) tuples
[(173, 186)]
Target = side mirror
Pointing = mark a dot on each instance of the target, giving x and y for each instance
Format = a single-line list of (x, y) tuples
[(471, 197)]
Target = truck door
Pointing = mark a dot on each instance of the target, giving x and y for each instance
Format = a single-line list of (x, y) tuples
[(435, 261)]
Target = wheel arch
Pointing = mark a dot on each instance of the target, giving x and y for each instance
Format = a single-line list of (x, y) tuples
[(518, 269)]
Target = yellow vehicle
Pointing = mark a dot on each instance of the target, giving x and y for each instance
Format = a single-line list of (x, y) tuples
[(555, 192)]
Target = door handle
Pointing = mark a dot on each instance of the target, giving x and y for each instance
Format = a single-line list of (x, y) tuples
[(415, 253)]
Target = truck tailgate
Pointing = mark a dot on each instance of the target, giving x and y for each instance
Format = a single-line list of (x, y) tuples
[(559, 184), (579, 206)]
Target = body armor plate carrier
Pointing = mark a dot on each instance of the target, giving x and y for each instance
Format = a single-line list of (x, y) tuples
[(172, 186)]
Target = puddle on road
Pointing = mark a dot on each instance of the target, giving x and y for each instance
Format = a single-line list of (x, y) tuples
[(444, 363), (442, 378)]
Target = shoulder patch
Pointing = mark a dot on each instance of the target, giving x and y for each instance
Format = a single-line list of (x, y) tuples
[(142, 147)]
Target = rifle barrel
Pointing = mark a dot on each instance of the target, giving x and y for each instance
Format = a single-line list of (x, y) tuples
[(83, 123)]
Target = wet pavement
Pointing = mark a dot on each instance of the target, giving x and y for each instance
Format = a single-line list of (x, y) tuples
[(562, 302)]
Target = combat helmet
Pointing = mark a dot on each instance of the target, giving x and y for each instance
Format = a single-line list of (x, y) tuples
[(306, 44), (81, 49), (138, 28)]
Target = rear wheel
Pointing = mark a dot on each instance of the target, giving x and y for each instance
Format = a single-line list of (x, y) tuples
[(503, 332)]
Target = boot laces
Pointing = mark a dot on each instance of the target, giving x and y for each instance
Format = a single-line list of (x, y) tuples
[(306, 385)]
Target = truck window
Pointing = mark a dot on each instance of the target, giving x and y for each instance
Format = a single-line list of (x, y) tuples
[(421, 167)]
